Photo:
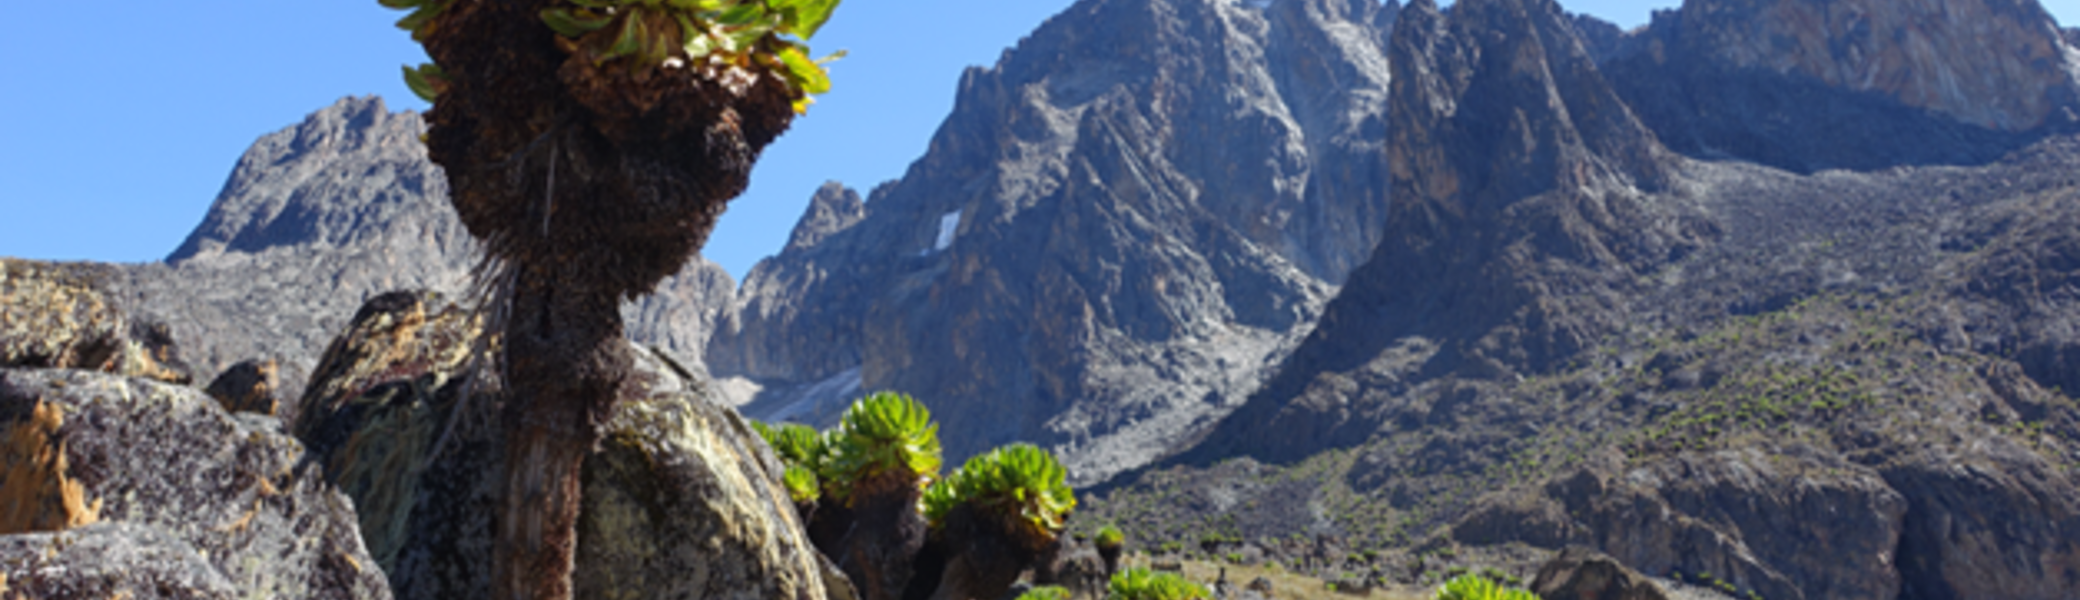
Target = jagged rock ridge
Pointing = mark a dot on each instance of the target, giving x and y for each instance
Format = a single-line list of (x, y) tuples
[(1517, 174), (1808, 86), (321, 216), (1117, 227), (1838, 385)]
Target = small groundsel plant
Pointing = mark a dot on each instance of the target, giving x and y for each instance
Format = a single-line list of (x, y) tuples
[(801, 449), (1476, 587), (1138, 583), (1019, 483), (884, 437), (1046, 592), (643, 37), (1111, 537), (794, 442), (886, 447)]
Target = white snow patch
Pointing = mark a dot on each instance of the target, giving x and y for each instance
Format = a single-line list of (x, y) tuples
[(947, 225), (835, 391)]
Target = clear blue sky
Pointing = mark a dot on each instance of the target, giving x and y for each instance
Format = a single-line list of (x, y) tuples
[(118, 131)]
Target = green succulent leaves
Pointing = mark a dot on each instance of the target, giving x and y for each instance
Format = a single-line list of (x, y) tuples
[(652, 34), (420, 20), (882, 434), (1111, 537), (426, 81), (1138, 583), (1475, 587), (802, 484), (801, 449), (794, 442), (575, 22), (655, 33), (1019, 482), (1046, 592)]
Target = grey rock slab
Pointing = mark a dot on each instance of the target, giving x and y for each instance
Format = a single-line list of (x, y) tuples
[(232, 487)]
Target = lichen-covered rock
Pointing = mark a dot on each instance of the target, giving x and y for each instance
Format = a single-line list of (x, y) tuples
[(180, 476), (681, 500), (1991, 521), (1789, 524), (55, 315), (1074, 566), (1583, 574), (37, 492), (108, 560), (248, 387)]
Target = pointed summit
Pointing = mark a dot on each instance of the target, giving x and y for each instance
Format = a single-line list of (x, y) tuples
[(1517, 175), (1525, 203), (833, 208), (1499, 102), (330, 180)]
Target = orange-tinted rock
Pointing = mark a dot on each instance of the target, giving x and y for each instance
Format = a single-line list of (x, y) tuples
[(248, 387), (36, 492), (191, 501), (63, 316)]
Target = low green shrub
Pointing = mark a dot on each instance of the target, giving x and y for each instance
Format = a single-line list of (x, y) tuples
[(1137, 583), (1019, 482), (1046, 592), (1111, 537), (794, 442), (802, 486), (1475, 587), (882, 436)]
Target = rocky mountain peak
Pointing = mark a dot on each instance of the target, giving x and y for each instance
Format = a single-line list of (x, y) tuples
[(335, 178), (1119, 225), (833, 208), (323, 214), (1499, 102), (1526, 200)]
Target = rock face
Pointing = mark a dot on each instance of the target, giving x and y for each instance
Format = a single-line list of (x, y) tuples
[(318, 218), (681, 500), (249, 386), (1517, 172), (1998, 64), (1810, 84), (1584, 574), (1769, 383), (1783, 526), (1117, 227), (110, 560), (64, 316), (215, 505)]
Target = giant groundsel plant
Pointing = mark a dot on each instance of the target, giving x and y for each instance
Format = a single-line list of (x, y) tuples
[(590, 147), (884, 439), (1020, 485), (874, 501), (643, 35)]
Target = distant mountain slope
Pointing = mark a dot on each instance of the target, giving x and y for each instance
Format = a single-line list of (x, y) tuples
[(1529, 204), (1119, 225), (1856, 84), (1838, 385), (321, 216)]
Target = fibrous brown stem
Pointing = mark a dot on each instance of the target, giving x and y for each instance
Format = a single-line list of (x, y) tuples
[(565, 365)]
